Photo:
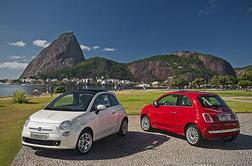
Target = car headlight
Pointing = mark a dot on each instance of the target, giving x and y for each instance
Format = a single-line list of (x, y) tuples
[(65, 125), (26, 122)]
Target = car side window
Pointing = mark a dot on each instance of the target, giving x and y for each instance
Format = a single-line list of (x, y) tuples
[(113, 100), (184, 101), (169, 100), (102, 100)]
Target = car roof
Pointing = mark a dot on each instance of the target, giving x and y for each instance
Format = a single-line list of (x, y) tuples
[(191, 93), (91, 90)]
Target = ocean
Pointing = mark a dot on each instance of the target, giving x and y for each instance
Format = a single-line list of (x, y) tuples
[(8, 89)]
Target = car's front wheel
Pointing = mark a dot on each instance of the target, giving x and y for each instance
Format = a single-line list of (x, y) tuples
[(193, 135), (145, 123), (229, 138), (124, 128), (85, 142)]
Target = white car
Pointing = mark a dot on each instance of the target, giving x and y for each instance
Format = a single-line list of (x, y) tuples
[(75, 120)]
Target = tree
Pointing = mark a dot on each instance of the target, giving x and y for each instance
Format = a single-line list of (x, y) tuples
[(247, 76), (244, 84), (59, 89), (215, 81), (198, 82), (223, 81), (179, 83)]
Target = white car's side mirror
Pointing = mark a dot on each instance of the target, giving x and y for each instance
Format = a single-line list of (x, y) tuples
[(100, 107)]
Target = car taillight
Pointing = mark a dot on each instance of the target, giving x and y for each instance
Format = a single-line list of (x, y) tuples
[(207, 118)]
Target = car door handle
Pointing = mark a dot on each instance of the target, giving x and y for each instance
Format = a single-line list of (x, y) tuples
[(113, 113), (173, 112)]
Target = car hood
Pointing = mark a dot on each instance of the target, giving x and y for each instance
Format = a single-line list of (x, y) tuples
[(49, 116)]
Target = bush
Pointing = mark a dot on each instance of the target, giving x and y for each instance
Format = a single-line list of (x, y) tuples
[(245, 84), (20, 96), (59, 89)]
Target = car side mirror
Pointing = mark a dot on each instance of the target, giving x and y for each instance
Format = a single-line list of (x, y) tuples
[(99, 108), (155, 103)]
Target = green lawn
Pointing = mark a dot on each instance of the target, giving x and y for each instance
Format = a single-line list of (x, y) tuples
[(13, 116)]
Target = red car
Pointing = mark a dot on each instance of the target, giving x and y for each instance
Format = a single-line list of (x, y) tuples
[(196, 115)]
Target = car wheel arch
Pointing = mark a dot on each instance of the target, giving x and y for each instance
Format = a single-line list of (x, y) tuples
[(88, 129), (188, 125), (125, 118), (145, 114), (85, 129)]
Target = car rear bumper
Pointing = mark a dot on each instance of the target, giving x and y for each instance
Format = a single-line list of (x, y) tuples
[(223, 131), (215, 130)]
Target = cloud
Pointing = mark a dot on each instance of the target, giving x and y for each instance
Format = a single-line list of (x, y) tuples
[(84, 47), (15, 57), (20, 43), (41, 43), (95, 47), (109, 49), (250, 10), (204, 12), (215, 3), (12, 65)]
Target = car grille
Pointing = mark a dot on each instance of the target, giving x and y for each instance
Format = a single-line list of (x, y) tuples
[(39, 129), (41, 142)]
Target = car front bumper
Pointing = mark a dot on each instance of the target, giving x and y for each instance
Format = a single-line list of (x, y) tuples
[(54, 138)]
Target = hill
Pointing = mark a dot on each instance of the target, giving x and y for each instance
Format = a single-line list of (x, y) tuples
[(243, 70), (95, 67), (187, 65)]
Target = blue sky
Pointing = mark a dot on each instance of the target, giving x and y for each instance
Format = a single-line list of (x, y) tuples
[(125, 30)]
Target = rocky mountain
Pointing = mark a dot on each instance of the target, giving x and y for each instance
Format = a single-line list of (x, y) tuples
[(95, 67), (64, 58), (62, 53), (187, 65)]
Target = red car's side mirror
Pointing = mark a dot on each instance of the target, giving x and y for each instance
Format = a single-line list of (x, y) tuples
[(155, 103)]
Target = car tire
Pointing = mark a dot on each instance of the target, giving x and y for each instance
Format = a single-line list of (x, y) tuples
[(193, 135), (145, 123), (123, 128), (85, 142), (229, 138)]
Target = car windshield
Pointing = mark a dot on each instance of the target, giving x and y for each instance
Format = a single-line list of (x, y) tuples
[(74, 101), (211, 101)]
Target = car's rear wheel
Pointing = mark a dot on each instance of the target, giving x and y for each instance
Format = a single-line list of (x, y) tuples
[(124, 128), (229, 138), (85, 142), (145, 123), (193, 135)]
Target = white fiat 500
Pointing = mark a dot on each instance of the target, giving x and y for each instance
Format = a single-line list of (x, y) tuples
[(75, 120)]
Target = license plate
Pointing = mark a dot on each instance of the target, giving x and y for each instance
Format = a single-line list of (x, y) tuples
[(39, 136), (224, 117)]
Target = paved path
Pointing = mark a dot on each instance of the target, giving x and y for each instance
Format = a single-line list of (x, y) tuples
[(142, 148)]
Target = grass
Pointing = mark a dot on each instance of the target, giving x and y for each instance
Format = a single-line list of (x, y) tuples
[(13, 116), (232, 93)]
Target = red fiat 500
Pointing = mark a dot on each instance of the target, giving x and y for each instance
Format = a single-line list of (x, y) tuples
[(196, 115)]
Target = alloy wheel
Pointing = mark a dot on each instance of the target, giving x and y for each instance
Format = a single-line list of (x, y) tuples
[(192, 135), (85, 142), (145, 123), (124, 127)]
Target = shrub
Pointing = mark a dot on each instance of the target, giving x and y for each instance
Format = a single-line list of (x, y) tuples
[(59, 89), (20, 96), (244, 84)]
